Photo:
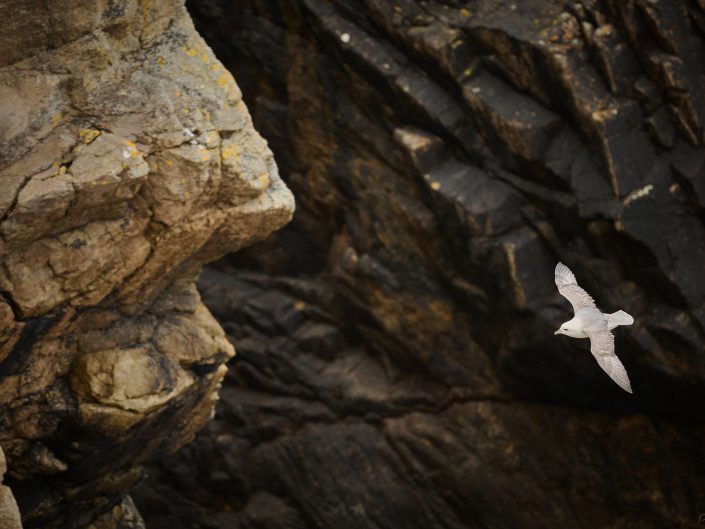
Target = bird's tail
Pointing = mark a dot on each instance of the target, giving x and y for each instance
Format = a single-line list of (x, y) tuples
[(619, 318)]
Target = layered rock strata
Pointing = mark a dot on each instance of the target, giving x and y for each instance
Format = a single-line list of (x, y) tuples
[(397, 361)]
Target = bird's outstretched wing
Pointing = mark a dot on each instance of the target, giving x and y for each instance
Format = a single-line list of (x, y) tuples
[(602, 348), (569, 289)]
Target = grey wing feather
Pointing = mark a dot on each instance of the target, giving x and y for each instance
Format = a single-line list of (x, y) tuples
[(602, 348), (569, 289)]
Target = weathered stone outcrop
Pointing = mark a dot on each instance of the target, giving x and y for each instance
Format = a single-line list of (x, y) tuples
[(9, 513), (127, 160), (397, 362)]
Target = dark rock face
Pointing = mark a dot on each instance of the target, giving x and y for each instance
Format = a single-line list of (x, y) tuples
[(397, 366)]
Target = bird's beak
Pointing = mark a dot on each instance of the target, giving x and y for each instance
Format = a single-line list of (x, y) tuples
[(557, 332)]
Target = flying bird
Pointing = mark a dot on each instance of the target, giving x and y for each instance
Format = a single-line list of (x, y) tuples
[(590, 322)]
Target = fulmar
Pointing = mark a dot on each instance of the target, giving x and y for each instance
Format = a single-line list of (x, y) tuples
[(590, 322)]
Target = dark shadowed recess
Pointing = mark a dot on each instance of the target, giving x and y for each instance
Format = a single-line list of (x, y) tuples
[(396, 363)]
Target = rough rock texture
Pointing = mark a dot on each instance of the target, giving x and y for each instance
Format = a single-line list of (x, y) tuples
[(127, 160), (9, 512), (397, 366)]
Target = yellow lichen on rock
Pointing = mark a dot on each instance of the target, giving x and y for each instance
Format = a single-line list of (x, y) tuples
[(88, 135)]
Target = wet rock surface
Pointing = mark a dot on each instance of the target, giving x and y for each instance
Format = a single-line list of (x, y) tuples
[(397, 365), (127, 160)]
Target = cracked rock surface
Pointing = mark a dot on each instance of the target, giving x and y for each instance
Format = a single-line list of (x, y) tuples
[(127, 160), (397, 366), (9, 512)]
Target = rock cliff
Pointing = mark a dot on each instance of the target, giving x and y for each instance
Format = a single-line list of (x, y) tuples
[(127, 160), (397, 363)]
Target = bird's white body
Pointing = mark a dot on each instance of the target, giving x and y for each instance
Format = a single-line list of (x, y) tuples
[(590, 322), (573, 328)]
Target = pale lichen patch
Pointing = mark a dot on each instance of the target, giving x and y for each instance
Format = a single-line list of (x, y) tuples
[(638, 194)]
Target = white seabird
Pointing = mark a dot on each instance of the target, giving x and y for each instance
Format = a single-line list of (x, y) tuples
[(590, 322)]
